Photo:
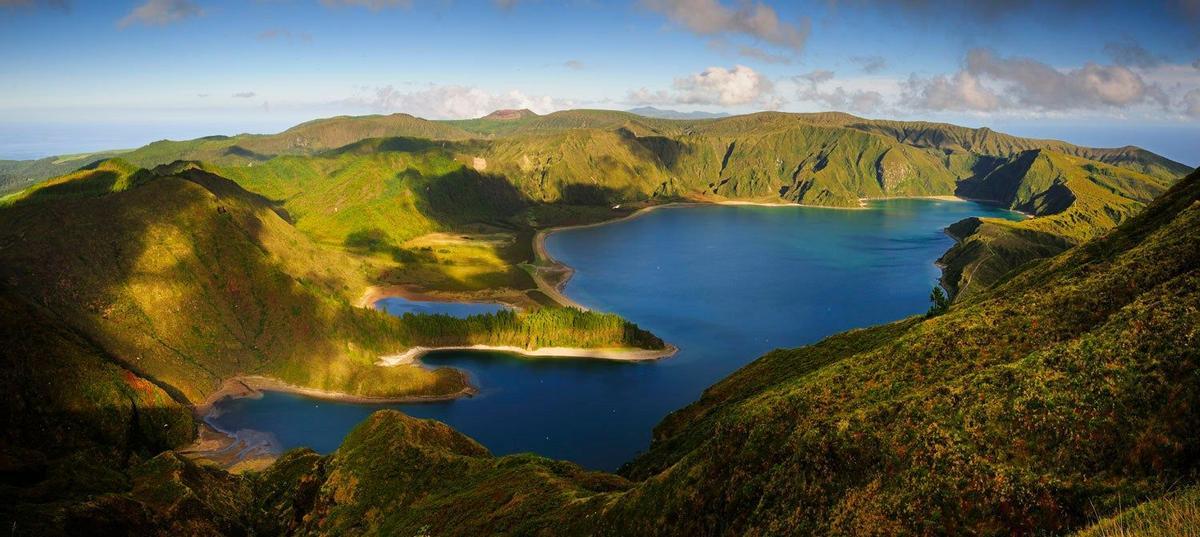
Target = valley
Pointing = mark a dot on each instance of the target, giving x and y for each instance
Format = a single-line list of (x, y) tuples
[(155, 277)]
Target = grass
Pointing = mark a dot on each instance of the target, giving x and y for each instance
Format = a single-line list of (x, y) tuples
[(1045, 396), (1175, 514), (1033, 407)]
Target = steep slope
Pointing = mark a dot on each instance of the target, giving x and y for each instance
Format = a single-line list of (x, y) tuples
[(953, 139), (1046, 401), (76, 417), (1042, 402), (775, 156), (1072, 199), (399, 200), (1174, 514), (194, 280), (19, 174)]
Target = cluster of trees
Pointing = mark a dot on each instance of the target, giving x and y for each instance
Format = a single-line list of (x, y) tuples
[(545, 327)]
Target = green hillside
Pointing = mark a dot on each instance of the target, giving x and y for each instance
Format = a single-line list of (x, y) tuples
[(1038, 406), (825, 158), (193, 279), (1001, 415), (388, 185), (1174, 514), (1072, 198)]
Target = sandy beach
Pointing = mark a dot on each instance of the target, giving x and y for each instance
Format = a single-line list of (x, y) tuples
[(629, 354), (253, 385)]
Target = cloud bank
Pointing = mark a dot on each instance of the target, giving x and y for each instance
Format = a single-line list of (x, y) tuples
[(716, 86), (451, 102), (989, 82)]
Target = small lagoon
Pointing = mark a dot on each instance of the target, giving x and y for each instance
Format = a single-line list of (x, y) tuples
[(723, 283)]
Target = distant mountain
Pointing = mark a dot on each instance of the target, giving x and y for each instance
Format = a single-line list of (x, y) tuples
[(1033, 408), (650, 111), (609, 157), (509, 115)]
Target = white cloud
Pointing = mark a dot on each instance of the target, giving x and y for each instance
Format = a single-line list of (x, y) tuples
[(160, 12), (712, 18), (740, 85), (453, 102), (960, 91), (988, 82), (1191, 103), (810, 88)]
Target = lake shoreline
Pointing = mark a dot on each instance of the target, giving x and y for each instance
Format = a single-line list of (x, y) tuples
[(544, 262), (238, 451), (243, 386), (621, 354)]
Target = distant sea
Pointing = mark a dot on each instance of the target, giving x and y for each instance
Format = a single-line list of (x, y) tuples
[(1178, 142), (25, 140)]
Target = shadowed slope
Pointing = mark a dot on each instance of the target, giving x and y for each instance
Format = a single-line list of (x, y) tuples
[(1073, 199), (1040, 404), (195, 280)]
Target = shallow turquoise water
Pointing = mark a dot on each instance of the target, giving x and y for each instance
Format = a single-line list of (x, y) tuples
[(400, 306), (725, 284)]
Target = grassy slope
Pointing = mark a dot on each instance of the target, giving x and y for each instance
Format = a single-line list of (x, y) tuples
[(1047, 401), (494, 176), (827, 158), (1073, 199), (1175, 514), (380, 197), (194, 280), (75, 416), (1037, 405), (1070, 386)]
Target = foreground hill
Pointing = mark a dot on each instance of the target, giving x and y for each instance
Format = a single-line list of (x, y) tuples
[(1034, 407), (1052, 399), (192, 280), (189, 279)]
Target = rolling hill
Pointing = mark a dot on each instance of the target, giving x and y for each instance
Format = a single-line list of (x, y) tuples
[(1037, 406), (398, 178), (192, 280)]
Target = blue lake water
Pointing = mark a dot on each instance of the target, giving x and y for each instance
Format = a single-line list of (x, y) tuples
[(399, 306), (723, 283)]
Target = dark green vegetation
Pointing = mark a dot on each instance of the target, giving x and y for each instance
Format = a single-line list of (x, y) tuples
[(1050, 393), (190, 279), (1038, 405), (939, 303), (398, 177), (544, 327), (19, 174)]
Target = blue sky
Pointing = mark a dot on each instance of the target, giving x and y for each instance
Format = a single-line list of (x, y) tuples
[(130, 72)]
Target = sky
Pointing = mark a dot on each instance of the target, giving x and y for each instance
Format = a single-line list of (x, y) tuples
[(86, 75)]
